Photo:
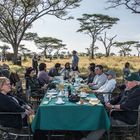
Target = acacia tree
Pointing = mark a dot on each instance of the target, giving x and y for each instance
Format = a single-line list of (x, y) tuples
[(17, 16), (59, 47), (48, 44), (138, 48), (133, 5), (93, 25), (125, 47), (107, 42)]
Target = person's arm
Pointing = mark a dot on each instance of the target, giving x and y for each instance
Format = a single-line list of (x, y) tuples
[(100, 82), (7, 104), (107, 87), (114, 107)]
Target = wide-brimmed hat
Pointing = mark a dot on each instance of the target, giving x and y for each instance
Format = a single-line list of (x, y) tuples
[(132, 77)]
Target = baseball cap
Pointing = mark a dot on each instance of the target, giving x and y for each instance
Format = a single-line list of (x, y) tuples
[(112, 73), (132, 77)]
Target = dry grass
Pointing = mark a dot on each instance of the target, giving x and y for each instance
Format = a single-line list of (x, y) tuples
[(116, 63)]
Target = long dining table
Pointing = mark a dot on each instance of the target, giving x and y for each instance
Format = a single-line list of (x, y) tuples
[(70, 116)]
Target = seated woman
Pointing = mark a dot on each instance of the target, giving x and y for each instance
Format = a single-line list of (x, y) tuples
[(91, 75), (32, 83), (66, 71), (43, 76), (10, 103), (16, 83), (55, 71)]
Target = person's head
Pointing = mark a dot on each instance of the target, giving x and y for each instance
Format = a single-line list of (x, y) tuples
[(5, 66), (67, 65), (111, 74), (42, 66), (74, 52), (127, 65), (30, 72), (57, 66), (91, 67), (132, 80), (98, 69), (5, 86)]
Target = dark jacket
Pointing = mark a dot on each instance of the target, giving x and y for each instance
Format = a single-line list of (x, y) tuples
[(8, 104), (54, 72), (129, 100), (34, 85)]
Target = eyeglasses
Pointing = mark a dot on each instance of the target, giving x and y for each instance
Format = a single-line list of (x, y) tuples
[(7, 84), (97, 69)]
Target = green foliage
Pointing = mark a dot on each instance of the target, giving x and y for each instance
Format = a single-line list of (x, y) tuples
[(93, 25)]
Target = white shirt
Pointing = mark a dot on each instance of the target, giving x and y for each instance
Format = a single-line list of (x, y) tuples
[(99, 80), (109, 86)]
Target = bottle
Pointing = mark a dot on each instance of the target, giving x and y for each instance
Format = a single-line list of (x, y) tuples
[(69, 91)]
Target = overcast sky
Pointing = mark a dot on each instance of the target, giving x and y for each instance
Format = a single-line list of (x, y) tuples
[(128, 28)]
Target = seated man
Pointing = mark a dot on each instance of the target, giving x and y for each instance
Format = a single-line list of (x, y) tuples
[(129, 100), (9, 103), (109, 85), (43, 76), (55, 71), (99, 79)]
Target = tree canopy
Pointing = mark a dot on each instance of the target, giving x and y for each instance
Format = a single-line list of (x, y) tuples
[(94, 24), (133, 5), (17, 16), (49, 44)]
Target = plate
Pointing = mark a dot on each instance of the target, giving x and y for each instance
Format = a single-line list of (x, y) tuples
[(94, 102), (92, 99), (50, 96), (45, 102), (52, 92), (83, 94), (59, 103)]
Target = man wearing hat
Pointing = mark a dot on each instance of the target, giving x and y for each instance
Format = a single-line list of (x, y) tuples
[(127, 101)]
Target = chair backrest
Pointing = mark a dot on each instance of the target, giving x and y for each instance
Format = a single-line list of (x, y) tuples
[(11, 119)]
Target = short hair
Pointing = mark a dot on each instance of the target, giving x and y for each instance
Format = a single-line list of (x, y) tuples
[(92, 66), (57, 65), (42, 66), (127, 64), (2, 81), (100, 67)]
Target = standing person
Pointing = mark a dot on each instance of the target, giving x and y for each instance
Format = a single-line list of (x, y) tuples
[(75, 61), (35, 63)]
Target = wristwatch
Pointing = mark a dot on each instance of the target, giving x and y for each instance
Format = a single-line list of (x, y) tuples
[(113, 107)]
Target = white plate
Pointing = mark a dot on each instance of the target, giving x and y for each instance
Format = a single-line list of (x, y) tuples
[(50, 96), (59, 103), (83, 96), (45, 102), (52, 92), (92, 99)]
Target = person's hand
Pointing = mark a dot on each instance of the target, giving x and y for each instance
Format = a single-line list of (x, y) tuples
[(90, 84), (108, 106)]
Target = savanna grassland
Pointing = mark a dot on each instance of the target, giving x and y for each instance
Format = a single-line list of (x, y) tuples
[(116, 63)]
